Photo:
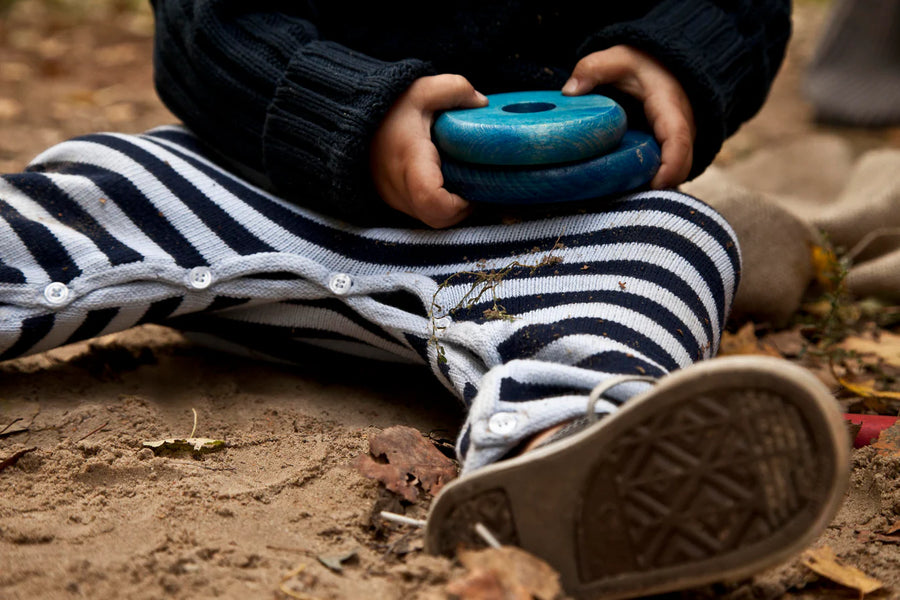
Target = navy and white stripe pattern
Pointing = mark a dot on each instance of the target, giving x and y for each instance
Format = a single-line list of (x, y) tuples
[(520, 320)]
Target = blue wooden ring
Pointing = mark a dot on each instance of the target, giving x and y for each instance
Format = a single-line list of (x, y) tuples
[(629, 167), (531, 128)]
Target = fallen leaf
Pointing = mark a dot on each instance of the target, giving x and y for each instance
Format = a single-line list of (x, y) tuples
[(412, 462), (336, 563), (866, 389), (484, 584), (824, 562), (504, 573), (886, 347), (826, 266), (888, 442), (192, 445), (893, 528), (745, 342)]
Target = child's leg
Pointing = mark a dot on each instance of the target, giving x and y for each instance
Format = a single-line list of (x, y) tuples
[(521, 320)]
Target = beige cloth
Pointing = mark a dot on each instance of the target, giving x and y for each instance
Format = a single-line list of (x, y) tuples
[(781, 201)]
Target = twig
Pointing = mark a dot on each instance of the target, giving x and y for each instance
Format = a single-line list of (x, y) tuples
[(486, 535), (10, 461), (194, 430), (92, 433), (389, 516), (11, 423), (286, 549), (484, 282), (5, 434)]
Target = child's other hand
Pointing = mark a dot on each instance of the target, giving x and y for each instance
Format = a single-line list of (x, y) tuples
[(404, 161), (666, 104)]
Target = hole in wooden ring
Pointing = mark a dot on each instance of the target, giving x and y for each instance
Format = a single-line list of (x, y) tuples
[(529, 107)]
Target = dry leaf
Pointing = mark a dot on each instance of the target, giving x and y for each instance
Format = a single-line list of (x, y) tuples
[(825, 266), (745, 342), (886, 347), (866, 389), (336, 563), (412, 462), (481, 584), (505, 573), (824, 562), (888, 442), (193, 445)]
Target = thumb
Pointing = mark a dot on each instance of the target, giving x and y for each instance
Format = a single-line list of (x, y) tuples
[(444, 92), (605, 66)]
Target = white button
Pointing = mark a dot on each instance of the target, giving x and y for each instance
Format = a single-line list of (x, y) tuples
[(340, 284), (200, 278), (56, 293), (503, 423)]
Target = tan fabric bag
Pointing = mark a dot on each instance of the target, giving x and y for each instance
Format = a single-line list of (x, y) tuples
[(782, 202)]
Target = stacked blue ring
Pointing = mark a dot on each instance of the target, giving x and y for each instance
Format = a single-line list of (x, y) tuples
[(542, 147)]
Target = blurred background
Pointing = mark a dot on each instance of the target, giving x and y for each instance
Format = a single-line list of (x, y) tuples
[(69, 67)]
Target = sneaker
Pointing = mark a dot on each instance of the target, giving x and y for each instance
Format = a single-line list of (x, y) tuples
[(721, 470)]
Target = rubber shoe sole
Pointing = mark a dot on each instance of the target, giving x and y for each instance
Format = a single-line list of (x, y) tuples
[(721, 470)]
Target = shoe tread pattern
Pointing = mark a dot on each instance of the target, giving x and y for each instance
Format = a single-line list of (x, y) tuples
[(490, 508), (705, 478)]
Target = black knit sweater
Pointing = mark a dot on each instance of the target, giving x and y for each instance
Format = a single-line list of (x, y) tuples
[(289, 92)]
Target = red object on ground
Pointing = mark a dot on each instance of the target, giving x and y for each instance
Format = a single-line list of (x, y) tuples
[(872, 426)]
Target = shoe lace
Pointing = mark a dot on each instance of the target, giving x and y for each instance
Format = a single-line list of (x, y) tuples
[(604, 386)]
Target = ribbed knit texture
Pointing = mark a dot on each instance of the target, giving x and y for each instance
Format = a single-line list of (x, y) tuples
[(293, 91), (724, 59), (108, 231)]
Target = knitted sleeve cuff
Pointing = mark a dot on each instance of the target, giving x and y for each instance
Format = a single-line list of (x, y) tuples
[(319, 124), (724, 61)]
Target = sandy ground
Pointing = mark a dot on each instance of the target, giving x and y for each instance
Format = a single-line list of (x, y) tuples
[(87, 512)]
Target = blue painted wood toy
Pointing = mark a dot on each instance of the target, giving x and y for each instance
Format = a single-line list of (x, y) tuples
[(531, 128), (542, 147)]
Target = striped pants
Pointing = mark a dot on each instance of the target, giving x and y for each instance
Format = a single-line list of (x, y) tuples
[(519, 319)]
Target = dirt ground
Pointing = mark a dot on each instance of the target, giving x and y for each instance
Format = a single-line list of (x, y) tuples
[(87, 512)]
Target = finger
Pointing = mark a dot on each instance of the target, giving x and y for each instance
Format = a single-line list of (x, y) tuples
[(607, 66), (672, 122), (443, 92), (428, 200)]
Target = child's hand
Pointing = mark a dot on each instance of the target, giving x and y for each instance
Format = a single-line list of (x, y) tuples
[(665, 103), (404, 162)]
